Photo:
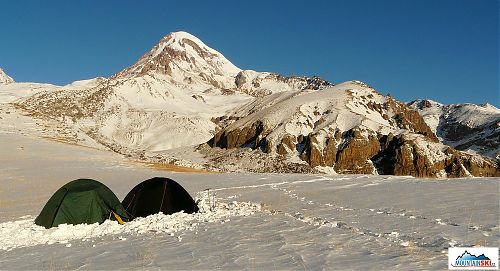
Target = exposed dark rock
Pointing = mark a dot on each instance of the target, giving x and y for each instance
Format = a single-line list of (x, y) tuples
[(239, 137), (358, 152), (240, 79), (330, 152), (311, 153), (287, 145), (59, 105), (315, 156), (316, 83), (198, 97), (409, 119), (404, 157), (355, 153)]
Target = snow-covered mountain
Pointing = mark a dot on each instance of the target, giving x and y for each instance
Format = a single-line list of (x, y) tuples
[(183, 93), (187, 62), (350, 127), (174, 89), (4, 78), (469, 127)]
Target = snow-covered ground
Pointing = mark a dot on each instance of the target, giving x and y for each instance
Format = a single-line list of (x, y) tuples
[(252, 221)]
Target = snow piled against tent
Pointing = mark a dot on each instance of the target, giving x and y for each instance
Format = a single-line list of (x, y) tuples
[(25, 233)]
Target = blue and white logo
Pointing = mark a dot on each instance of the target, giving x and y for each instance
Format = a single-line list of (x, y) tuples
[(473, 258)]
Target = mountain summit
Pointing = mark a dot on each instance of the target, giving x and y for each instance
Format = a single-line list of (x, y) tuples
[(182, 94), (184, 57), (4, 78)]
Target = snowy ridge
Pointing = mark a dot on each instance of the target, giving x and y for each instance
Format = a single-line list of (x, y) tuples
[(303, 112), (260, 84), (17, 92), (340, 108), (4, 78), (469, 127), (184, 60), (471, 115), (346, 128), (178, 87)]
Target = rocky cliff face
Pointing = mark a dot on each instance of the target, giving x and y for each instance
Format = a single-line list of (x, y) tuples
[(355, 153), (412, 155), (352, 129), (186, 61)]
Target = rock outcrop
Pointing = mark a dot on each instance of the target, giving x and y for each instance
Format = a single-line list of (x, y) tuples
[(259, 84), (390, 138), (355, 153), (413, 155), (246, 136)]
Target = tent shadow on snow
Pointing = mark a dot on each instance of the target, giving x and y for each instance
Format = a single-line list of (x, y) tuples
[(158, 195), (81, 201)]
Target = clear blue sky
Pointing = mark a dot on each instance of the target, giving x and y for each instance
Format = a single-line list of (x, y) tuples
[(446, 50)]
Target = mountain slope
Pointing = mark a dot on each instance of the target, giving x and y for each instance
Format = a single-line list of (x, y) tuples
[(468, 127), (350, 127), (184, 58), (4, 78), (174, 89), (188, 62), (182, 93)]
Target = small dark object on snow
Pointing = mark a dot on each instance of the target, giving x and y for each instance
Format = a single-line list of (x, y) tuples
[(158, 195)]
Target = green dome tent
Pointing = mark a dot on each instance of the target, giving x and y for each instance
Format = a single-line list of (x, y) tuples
[(81, 201), (158, 195)]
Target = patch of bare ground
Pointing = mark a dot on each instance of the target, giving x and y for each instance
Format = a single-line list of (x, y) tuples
[(64, 140), (171, 167), (147, 164)]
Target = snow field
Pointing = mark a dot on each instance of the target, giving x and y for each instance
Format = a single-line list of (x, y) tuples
[(24, 232)]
